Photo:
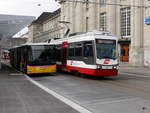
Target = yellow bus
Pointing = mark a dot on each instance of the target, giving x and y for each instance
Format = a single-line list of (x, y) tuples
[(34, 58)]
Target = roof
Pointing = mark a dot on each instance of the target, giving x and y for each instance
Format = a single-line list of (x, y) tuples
[(46, 16), (11, 24), (32, 44)]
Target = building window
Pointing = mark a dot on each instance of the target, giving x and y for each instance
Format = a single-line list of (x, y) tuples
[(125, 21), (87, 24), (103, 21), (102, 2), (87, 4)]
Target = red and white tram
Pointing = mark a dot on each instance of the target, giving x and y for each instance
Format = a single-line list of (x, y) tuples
[(93, 53)]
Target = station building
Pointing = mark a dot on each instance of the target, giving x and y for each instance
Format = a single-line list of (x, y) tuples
[(45, 27), (124, 18)]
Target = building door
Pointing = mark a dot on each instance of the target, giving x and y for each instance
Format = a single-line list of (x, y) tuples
[(125, 52)]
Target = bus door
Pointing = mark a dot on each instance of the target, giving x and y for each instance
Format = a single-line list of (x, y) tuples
[(64, 53), (125, 52)]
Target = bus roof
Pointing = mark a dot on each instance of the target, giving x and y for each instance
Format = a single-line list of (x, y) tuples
[(32, 44)]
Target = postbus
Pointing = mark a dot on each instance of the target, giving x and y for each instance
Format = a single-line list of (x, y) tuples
[(33, 58), (92, 53)]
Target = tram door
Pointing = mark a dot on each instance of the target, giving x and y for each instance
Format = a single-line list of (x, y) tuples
[(64, 56), (125, 53)]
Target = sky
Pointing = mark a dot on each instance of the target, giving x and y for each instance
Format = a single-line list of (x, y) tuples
[(27, 7)]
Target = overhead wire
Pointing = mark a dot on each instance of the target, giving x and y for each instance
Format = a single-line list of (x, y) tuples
[(104, 3), (98, 3)]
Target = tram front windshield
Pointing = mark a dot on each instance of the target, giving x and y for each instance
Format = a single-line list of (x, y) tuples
[(42, 55), (106, 49)]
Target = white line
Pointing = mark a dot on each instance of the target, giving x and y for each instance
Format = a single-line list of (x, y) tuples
[(131, 74), (62, 98), (56, 95), (116, 101)]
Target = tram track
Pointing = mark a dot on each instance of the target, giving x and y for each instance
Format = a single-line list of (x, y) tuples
[(135, 89), (97, 93), (136, 86)]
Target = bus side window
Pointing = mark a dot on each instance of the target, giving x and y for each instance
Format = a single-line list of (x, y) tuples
[(88, 49), (30, 59), (58, 52)]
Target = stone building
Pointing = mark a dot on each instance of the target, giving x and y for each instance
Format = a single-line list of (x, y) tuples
[(45, 27), (124, 18)]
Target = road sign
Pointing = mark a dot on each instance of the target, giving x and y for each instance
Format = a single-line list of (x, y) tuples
[(147, 20)]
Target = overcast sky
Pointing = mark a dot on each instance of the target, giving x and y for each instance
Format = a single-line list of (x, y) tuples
[(27, 7)]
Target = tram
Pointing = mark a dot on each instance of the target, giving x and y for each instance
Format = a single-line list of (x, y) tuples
[(93, 53), (33, 58)]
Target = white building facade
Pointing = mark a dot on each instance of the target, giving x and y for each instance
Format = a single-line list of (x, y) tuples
[(124, 18), (45, 27)]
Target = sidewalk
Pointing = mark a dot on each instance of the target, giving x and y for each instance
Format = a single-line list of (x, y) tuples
[(18, 95), (126, 68)]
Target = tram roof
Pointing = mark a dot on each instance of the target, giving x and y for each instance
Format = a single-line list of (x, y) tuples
[(91, 35)]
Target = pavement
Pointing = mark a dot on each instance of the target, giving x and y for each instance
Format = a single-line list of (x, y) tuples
[(126, 93), (134, 70), (19, 95)]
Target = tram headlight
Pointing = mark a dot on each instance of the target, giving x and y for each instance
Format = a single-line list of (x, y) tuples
[(115, 67), (99, 67)]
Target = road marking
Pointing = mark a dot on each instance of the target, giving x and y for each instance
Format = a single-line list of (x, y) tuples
[(131, 74), (60, 97), (16, 74), (117, 101)]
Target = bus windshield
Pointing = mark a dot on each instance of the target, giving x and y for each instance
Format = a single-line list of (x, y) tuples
[(42, 55), (106, 49)]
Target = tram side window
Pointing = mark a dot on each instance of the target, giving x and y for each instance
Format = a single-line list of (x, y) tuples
[(78, 49), (71, 50), (88, 49)]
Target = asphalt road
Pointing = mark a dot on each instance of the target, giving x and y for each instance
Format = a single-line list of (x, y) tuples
[(127, 93), (19, 95)]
